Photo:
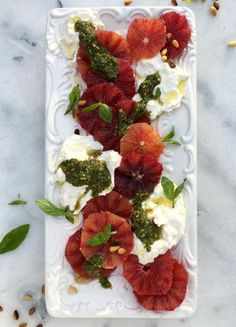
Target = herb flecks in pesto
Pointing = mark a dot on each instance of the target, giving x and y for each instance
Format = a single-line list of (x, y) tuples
[(92, 172), (138, 111), (101, 60), (144, 227), (123, 124), (93, 267), (94, 153), (147, 87)]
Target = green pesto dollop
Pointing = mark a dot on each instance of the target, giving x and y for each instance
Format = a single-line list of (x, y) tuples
[(123, 121), (93, 267), (92, 172), (146, 88), (144, 228), (101, 60)]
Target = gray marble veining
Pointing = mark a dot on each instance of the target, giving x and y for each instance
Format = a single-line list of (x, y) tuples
[(22, 71)]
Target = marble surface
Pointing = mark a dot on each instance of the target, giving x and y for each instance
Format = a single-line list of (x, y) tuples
[(22, 71)]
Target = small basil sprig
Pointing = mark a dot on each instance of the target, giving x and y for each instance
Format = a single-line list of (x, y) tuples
[(74, 98), (169, 138), (50, 209), (17, 202), (105, 112), (169, 189), (102, 237), (14, 238)]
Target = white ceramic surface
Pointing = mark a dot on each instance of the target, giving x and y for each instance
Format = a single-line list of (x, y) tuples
[(179, 163)]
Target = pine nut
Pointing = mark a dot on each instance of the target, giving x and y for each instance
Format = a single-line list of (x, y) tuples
[(213, 11), (175, 44), (232, 44), (113, 249), (127, 2), (72, 290), (27, 297), (82, 102), (121, 251), (164, 52)]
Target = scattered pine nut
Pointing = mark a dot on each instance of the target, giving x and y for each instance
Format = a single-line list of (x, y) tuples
[(113, 249), (163, 58), (127, 2), (164, 52), (39, 325), (114, 232), (216, 4), (1, 308), (15, 315), (43, 289), (27, 297), (171, 64), (32, 311), (232, 44), (174, 2), (175, 44), (213, 11), (23, 324), (72, 290), (80, 280), (121, 251), (82, 102)]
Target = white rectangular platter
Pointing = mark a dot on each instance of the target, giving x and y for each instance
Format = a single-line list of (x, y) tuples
[(92, 300)]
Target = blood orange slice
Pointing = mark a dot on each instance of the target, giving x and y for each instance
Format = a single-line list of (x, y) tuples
[(137, 173), (125, 79), (173, 298), (82, 61), (102, 131), (106, 93), (151, 279), (178, 33), (141, 138), (112, 202), (146, 37), (76, 259), (123, 238), (115, 44)]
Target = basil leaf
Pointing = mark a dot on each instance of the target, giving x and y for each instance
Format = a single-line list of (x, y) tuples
[(105, 112), (14, 238), (69, 216), (49, 208), (105, 283), (17, 202), (74, 98), (91, 107), (174, 142), (179, 189), (158, 93), (101, 238), (168, 188), (169, 138)]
